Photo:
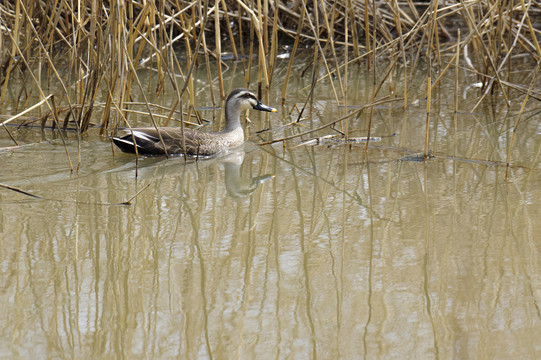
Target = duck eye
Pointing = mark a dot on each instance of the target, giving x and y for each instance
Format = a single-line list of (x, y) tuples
[(248, 96)]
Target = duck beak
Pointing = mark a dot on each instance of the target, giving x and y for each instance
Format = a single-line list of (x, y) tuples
[(262, 107)]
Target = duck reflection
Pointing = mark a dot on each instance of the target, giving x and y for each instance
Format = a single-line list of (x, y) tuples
[(236, 185)]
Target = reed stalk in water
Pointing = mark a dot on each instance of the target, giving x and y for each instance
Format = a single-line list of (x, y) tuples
[(92, 53)]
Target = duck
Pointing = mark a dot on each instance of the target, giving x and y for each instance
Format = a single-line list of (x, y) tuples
[(168, 140)]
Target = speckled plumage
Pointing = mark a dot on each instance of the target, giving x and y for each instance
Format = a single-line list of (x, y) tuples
[(168, 140)]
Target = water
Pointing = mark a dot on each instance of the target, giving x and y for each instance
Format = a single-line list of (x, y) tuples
[(321, 251)]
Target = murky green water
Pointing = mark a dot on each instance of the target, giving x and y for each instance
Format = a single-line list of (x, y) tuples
[(281, 252)]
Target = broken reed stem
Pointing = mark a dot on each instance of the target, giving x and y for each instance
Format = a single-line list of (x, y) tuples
[(10, 135), (356, 112), (12, 188), (15, 117), (127, 202)]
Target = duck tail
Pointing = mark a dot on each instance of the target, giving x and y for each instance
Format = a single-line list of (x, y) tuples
[(126, 145)]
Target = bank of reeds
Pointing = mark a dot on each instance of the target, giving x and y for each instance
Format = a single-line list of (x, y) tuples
[(92, 50)]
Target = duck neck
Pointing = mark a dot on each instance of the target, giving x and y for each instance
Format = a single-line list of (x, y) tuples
[(232, 118)]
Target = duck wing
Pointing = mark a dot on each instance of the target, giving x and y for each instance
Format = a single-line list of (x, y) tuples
[(148, 141)]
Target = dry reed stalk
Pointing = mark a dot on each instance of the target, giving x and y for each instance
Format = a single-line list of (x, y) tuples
[(209, 77), (125, 121), (398, 22), (264, 18), (262, 38), (251, 31), (57, 122), (429, 86), (188, 84), (241, 38), (150, 113), (322, 52), (188, 81), (330, 32), (178, 101), (506, 59), (375, 89), (345, 88), (343, 91), (416, 45), (24, 60), (171, 19), (509, 37), (444, 70), (490, 61), (107, 108), (291, 57), (455, 124), (532, 82), (106, 43), (353, 26), (218, 40), (530, 27), (172, 111), (173, 79), (457, 57), (367, 32), (229, 30), (374, 42), (14, 35), (315, 63), (375, 92), (273, 55), (263, 76), (436, 33)]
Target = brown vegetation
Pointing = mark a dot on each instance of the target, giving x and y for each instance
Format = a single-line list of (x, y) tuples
[(93, 47)]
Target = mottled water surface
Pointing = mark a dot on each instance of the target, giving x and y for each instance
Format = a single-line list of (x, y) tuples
[(322, 251)]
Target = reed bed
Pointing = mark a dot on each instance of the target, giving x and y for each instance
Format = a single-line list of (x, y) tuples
[(93, 51)]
